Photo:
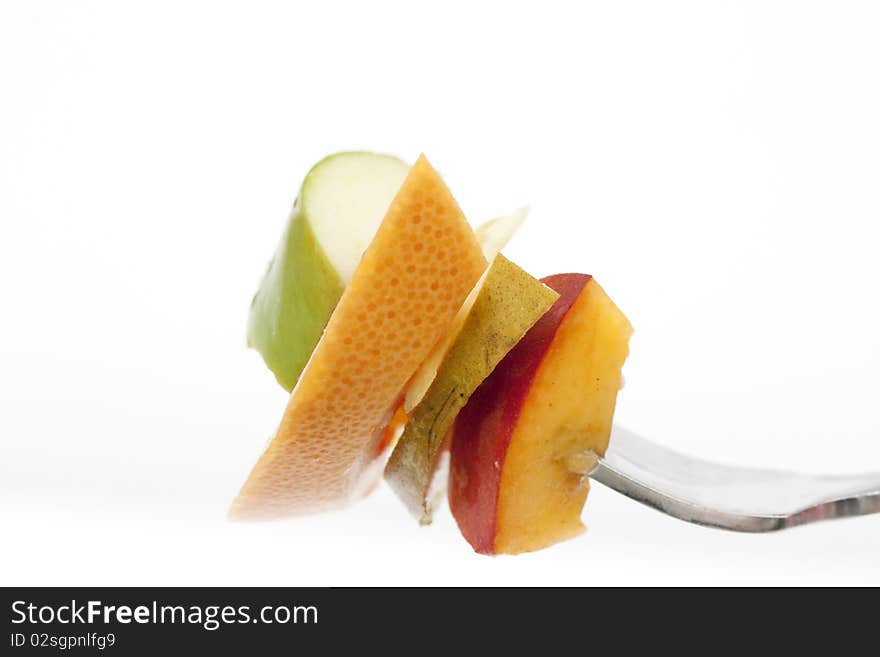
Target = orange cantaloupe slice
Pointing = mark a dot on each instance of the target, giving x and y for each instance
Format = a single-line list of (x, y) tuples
[(411, 281)]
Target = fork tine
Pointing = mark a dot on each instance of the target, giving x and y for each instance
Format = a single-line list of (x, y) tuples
[(730, 497)]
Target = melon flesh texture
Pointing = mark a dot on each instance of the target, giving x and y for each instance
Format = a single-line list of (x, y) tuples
[(340, 204), (503, 305), (492, 236), (547, 407), (414, 276)]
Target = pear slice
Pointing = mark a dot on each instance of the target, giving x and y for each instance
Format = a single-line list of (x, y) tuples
[(340, 204), (499, 310), (496, 233)]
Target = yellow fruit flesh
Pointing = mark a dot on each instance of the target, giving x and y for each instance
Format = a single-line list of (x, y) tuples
[(408, 286), (568, 411)]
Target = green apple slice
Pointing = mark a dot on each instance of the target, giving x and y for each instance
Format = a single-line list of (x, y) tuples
[(340, 205), (500, 309)]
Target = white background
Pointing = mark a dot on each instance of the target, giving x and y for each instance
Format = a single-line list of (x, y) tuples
[(715, 165)]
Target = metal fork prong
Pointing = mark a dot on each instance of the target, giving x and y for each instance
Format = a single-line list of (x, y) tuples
[(730, 497)]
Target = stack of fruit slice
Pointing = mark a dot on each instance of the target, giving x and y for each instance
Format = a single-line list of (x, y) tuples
[(496, 315), (427, 350)]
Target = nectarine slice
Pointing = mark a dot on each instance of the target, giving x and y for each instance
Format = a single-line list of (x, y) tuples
[(547, 405), (413, 277)]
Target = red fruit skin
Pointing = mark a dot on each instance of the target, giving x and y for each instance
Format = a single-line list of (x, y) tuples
[(482, 431)]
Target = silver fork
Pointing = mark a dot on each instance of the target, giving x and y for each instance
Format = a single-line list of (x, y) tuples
[(729, 497)]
